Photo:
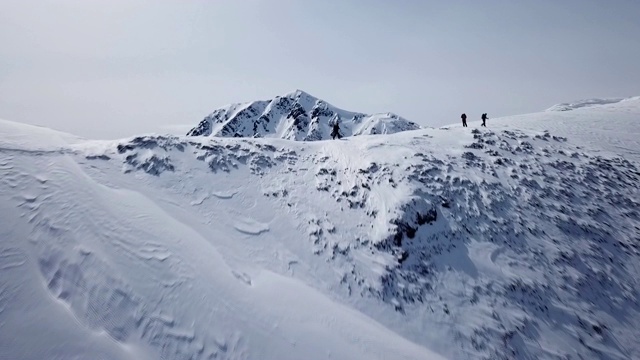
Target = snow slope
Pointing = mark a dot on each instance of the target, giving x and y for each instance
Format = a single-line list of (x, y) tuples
[(519, 241), (588, 103), (95, 270), (295, 116), (607, 129)]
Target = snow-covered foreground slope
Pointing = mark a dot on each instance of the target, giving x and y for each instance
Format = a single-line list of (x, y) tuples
[(498, 243), (295, 116), (95, 266)]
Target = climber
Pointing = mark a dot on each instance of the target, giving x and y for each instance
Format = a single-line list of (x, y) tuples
[(484, 120), (464, 120), (336, 131)]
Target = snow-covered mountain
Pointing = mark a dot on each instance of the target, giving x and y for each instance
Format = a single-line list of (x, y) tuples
[(295, 116), (516, 241)]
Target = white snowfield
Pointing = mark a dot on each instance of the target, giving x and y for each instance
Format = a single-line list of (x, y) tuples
[(589, 103), (516, 241)]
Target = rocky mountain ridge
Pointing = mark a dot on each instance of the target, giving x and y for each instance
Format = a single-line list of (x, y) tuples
[(295, 116)]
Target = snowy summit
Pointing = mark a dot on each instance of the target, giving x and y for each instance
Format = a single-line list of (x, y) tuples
[(295, 116), (516, 241)]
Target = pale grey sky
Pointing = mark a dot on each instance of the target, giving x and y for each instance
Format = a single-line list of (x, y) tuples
[(114, 68)]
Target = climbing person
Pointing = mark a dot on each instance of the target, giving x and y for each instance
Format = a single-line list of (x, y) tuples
[(484, 120), (464, 120), (336, 131)]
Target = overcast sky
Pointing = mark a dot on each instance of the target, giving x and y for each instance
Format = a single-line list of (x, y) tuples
[(114, 68)]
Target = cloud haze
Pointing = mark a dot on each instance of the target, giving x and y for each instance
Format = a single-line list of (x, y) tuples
[(106, 69)]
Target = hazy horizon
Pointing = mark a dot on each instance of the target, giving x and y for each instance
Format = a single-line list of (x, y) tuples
[(109, 69)]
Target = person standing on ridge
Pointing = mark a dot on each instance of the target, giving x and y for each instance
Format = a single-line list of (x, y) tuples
[(464, 120), (336, 131), (484, 120)]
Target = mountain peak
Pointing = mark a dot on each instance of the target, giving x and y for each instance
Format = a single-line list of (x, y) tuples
[(298, 93), (298, 116)]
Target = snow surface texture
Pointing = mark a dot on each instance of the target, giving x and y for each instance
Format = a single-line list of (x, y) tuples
[(587, 103), (295, 116), (518, 241)]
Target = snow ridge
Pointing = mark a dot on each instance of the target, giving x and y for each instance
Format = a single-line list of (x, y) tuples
[(589, 103), (492, 243), (295, 116), (437, 235), (498, 204)]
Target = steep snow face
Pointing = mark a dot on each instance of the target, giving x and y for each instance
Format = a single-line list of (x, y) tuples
[(295, 116), (500, 243)]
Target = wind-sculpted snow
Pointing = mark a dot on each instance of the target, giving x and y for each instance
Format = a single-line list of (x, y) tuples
[(495, 243), (295, 116), (152, 286)]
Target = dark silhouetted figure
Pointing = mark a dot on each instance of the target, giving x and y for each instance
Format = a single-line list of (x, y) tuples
[(336, 131), (484, 120), (464, 120)]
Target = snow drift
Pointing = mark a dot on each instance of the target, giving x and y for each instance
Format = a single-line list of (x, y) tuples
[(295, 116), (512, 242), (587, 103)]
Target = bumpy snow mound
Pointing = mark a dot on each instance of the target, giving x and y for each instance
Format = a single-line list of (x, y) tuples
[(588, 103), (295, 116)]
